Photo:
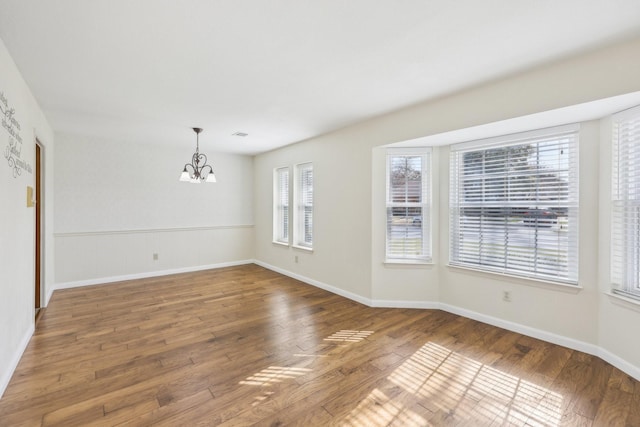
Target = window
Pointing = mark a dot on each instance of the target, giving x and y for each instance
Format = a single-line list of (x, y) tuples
[(281, 205), (303, 229), (514, 204), (625, 233), (408, 205)]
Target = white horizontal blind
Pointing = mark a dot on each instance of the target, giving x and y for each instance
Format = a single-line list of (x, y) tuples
[(304, 205), (408, 205), (514, 205), (281, 205), (625, 233)]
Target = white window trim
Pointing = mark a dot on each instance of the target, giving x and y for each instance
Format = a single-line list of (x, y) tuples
[(619, 289), (411, 262), (510, 140), (624, 301), (529, 280), (514, 138), (276, 206), (427, 205), (298, 219)]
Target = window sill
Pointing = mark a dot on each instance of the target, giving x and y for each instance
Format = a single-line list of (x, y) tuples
[(275, 242), (408, 262), (624, 301), (530, 281), (302, 248)]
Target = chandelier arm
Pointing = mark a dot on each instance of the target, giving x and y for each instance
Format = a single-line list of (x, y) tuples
[(200, 158), (198, 163)]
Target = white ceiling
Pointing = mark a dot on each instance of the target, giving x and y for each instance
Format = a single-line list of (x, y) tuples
[(280, 70)]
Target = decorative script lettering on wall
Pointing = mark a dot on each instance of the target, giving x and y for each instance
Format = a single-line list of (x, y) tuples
[(13, 151)]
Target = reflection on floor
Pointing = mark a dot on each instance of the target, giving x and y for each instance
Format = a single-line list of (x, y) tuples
[(348, 336), (439, 378), (243, 346)]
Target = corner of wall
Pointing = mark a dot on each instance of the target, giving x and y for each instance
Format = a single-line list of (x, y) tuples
[(13, 364)]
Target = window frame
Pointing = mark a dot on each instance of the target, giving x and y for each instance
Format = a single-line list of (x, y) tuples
[(281, 204), (302, 231), (567, 273), (625, 228), (425, 205)]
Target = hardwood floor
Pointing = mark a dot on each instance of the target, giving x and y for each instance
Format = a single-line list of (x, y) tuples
[(244, 345)]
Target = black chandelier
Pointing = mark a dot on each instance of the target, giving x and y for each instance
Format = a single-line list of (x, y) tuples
[(194, 172)]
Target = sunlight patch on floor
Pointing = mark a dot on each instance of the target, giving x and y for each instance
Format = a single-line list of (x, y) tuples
[(346, 335), (460, 389), (274, 374), (310, 355)]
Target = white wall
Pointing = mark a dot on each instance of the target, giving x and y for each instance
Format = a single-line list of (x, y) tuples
[(118, 203), (402, 284), (17, 222), (349, 196), (341, 219), (559, 310), (619, 320), (110, 220)]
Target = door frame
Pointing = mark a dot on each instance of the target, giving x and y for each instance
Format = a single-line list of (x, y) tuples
[(38, 230)]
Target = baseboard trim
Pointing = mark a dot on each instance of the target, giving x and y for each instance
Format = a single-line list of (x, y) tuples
[(550, 337), (619, 363), (6, 375), (524, 330), (428, 305), (145, 275), (49, 294), (316, 283), (571, 343)]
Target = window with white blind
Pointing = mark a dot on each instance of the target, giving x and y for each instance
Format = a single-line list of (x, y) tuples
[(514, 204), (408, 205), (625, 218), (281, 205), (303, 215)]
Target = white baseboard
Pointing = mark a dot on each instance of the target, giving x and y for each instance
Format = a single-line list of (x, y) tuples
[(571, 343), (8, 373), (316, 283), (428, 305), (619, 363), (145, 275), (49, 294), (524, 330)]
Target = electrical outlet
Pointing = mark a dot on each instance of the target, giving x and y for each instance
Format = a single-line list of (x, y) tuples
[(155, 257), (506, 296), (295, 259)]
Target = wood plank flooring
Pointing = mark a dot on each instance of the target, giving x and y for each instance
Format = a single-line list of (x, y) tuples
[(246, 346)]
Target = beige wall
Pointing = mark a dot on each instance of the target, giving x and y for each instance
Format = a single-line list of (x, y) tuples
[(348, 220), (400, 284), (341, 255), (555, 309), (130, 205), (618, 320), (17, 221), (349, 198)]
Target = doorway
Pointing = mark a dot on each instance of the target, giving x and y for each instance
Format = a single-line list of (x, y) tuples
[(38, 232)]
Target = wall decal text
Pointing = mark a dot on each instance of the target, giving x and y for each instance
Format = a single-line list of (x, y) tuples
[(13, 150)]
